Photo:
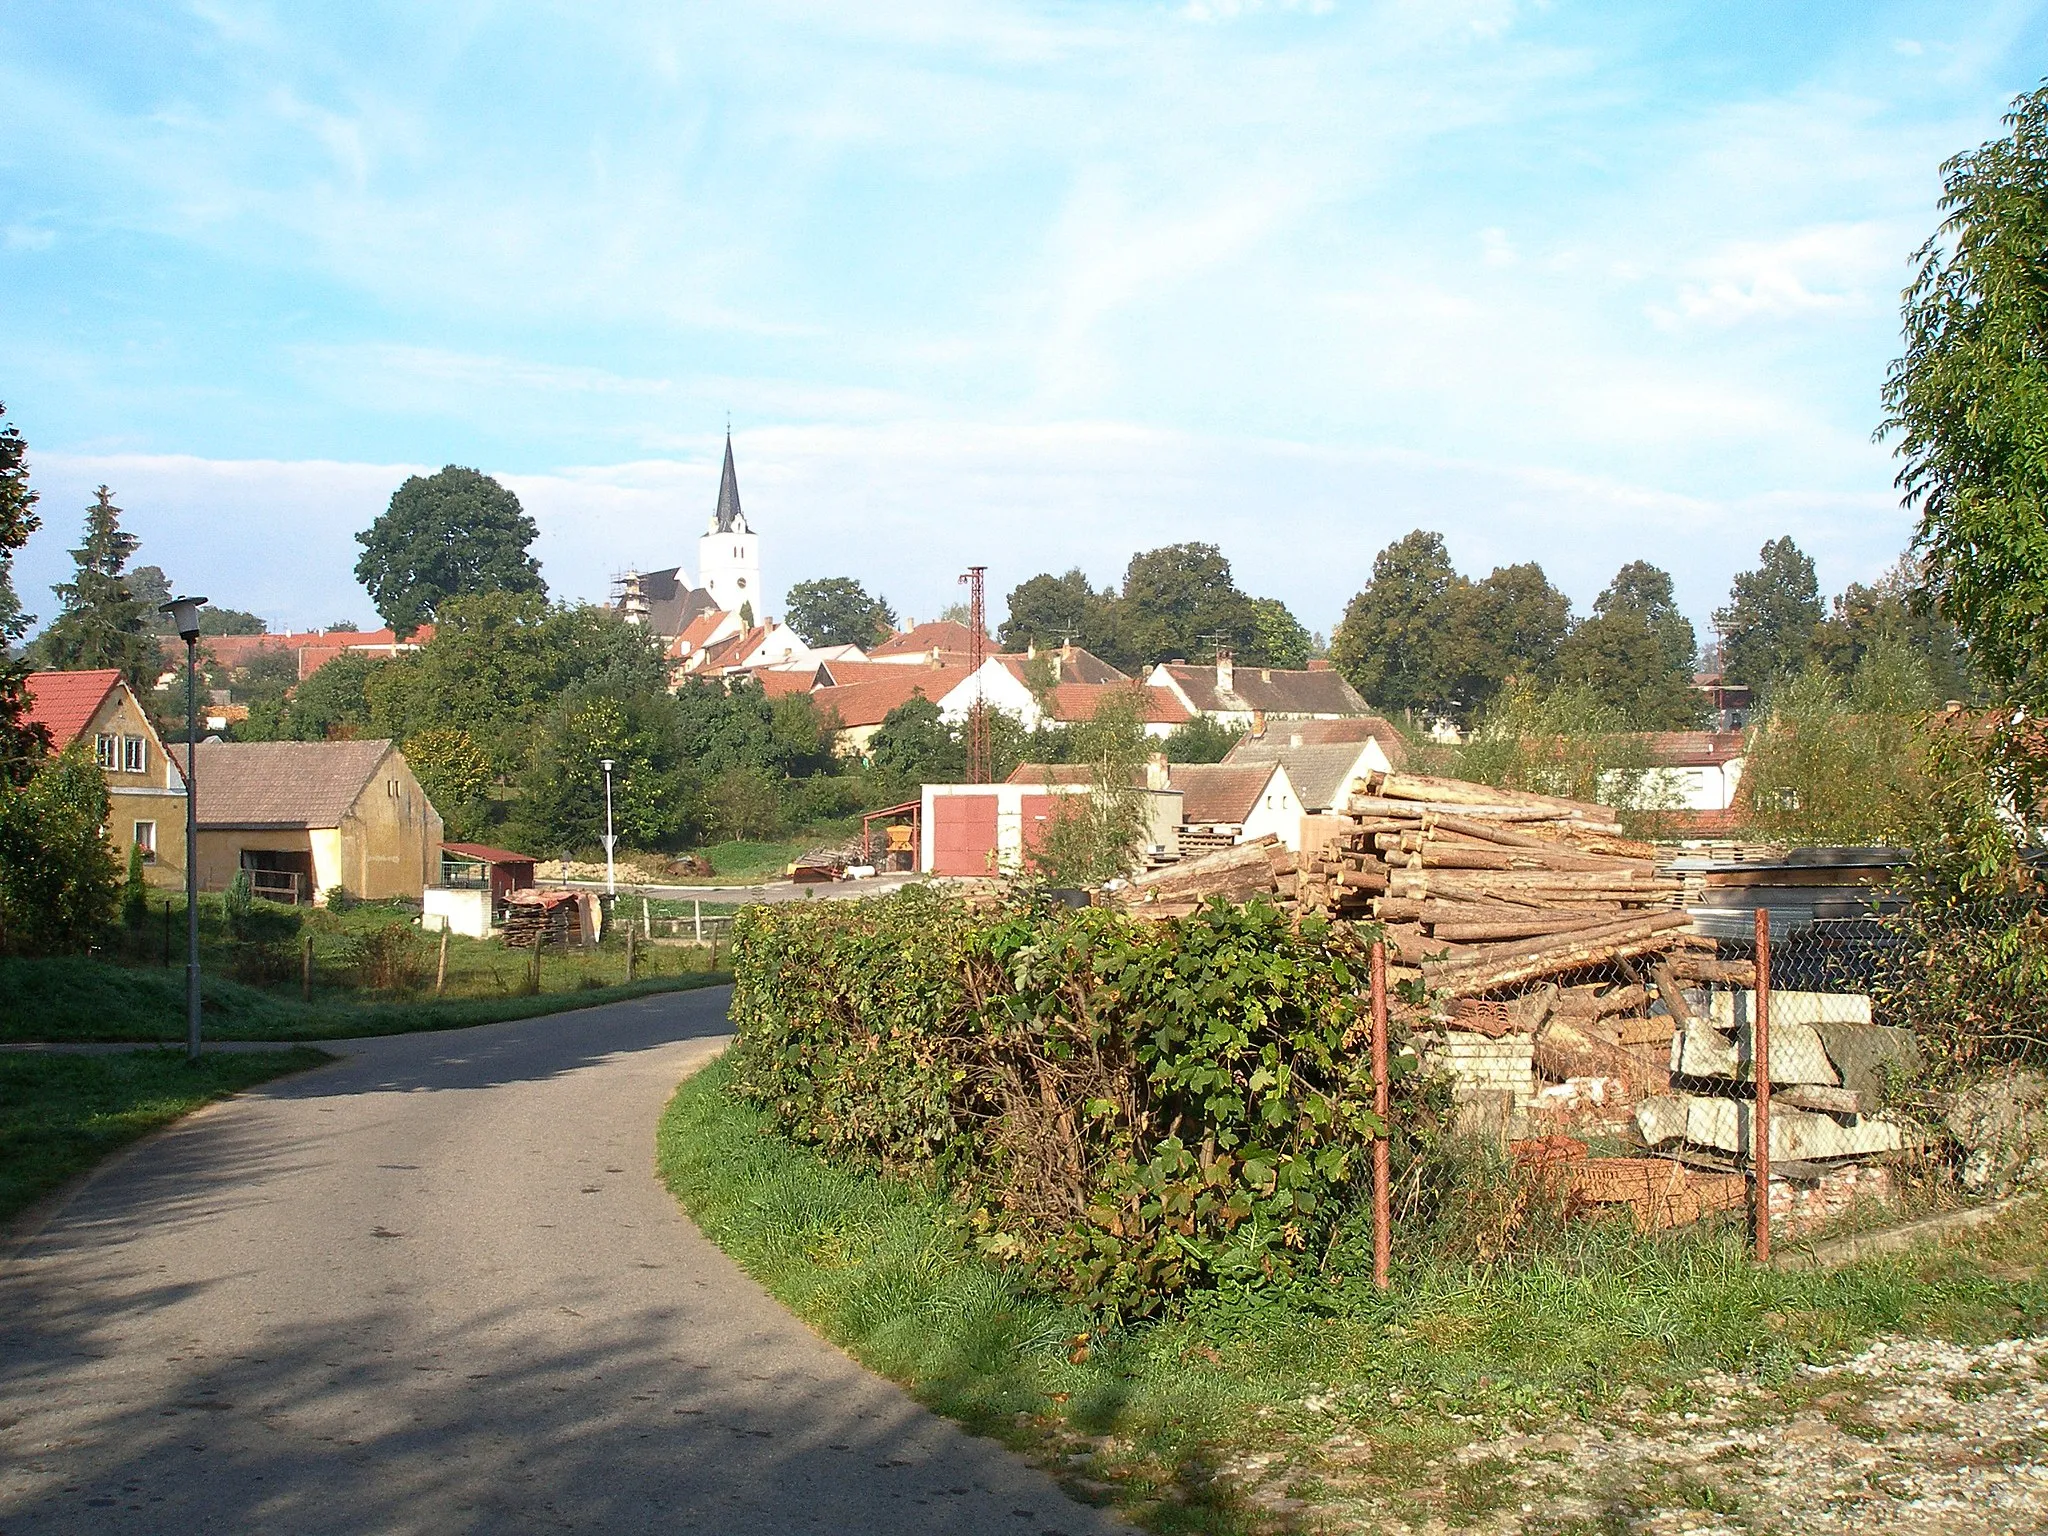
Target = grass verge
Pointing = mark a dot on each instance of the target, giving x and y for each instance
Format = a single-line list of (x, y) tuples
[(77, 998), (60, 1114), (1169, 1421)]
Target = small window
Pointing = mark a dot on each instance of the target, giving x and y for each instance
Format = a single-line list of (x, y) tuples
[(134, 755), (106, 751), (145, 839), (391, 788)]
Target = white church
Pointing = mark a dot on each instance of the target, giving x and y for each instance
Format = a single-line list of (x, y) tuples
[(718, 625)]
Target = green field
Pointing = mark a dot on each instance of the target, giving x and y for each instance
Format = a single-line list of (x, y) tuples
[(60, 1114)]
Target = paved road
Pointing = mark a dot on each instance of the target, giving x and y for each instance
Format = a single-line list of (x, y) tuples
[(438, 1288)]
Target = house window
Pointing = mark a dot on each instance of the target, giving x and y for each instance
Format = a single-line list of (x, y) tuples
[(134, 755), (145, 839), (106, 751)]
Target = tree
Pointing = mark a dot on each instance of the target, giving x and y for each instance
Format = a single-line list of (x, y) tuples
[(1279, 639), (1896, 607), (451, 534), (334, 702), (1181, 601), (1636, 652), (1201, 740), (457, 776), (562, 790), (915, 746), (59, 880), (1391, 642), (837, 611), (101, 623), (22, 744), (1100, 835), (1565, 740), (1767, 627), (1048, 611), (1966, 403), (1507, 626)]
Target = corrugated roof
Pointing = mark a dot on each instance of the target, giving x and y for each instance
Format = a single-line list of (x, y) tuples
[(1321, 775), (63, 703), (1221, 794), (282, 783), (481, 851), (1268, 690)]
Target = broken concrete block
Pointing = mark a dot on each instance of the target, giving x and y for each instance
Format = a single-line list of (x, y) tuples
[(1863, 1053), (1728, 1125), (1737, 1007), (1797, 1054)]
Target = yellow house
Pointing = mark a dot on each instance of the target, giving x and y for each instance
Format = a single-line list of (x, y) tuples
[(303, 817), (145, 789)]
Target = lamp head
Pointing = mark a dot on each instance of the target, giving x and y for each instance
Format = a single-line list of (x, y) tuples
[(184, 612), (605, 763)]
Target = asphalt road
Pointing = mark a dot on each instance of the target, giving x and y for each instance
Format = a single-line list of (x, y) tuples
[(437, 1287)]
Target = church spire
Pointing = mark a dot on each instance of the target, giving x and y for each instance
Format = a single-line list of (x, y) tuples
[(729, 518)]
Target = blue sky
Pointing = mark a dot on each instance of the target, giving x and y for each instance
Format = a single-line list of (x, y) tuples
[(1022, 285)]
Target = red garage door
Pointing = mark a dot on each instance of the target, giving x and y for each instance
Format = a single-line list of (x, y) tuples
[(963, 834)]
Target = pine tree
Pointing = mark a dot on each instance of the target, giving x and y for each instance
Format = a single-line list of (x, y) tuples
[(102, 622)]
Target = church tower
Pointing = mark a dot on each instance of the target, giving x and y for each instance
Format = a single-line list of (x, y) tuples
[(729, 554)]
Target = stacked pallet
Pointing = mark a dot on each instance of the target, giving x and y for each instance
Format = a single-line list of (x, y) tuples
[(1486, 889)]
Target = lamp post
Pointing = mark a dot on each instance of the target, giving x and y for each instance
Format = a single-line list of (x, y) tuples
[(184, 612), (611, 884)]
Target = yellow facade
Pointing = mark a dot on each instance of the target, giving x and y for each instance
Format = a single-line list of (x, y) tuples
[(387, 844), (145, 791)]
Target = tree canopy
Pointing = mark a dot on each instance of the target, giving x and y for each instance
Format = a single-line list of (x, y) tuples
[(1636, 652), (1767, 629), (451, 534), (836, 610), (101, 623), (1047, 611), (21, 744), (1392, 641), (1966, 402)]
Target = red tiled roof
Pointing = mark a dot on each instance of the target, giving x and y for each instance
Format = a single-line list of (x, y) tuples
[(869, 703), (1076, 664), (1219, 794), (780, 684), (64, 703), (1691, 749), (1080, 701), (938, 634)]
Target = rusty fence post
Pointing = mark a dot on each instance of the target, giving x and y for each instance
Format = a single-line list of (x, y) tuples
[(1382, 1208), (1760, 1053)]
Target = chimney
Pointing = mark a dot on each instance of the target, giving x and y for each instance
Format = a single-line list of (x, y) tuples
[(1226, 674), (1059, 668), (1294, 740), (1031, 650), (1157, 775), (1259, 724)]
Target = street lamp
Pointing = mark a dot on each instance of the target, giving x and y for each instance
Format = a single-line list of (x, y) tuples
[(184, 612), (611, 883)]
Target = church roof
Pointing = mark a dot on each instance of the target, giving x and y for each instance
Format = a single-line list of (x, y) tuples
[(729, 518)]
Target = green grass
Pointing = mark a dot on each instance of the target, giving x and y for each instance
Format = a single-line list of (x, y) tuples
[(1454, 1352), (78, 998), (60, 1114)]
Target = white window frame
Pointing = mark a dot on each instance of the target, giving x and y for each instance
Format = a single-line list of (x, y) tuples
[(134, 754), (145, 839), (106, 750)]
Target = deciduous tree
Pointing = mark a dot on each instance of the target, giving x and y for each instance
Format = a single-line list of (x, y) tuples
[(22, 744), (837, 610), (1507, 626), (1181, 601), (1636, 652), (1047, 611), (1966, 403), (59, 881), (1391, 644), (452, 534), (1767, 627)]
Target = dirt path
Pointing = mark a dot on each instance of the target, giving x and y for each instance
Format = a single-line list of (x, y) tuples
[(438, 1288)]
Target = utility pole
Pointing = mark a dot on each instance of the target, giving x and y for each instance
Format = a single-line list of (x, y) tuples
[(184, 612), (980, 756)]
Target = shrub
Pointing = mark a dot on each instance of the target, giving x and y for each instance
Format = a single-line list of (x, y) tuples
[(388, 958), (134, 892), (59, 881), (1127, 1110)]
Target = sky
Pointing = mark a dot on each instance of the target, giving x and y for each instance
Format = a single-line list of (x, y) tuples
[(1028, 286)]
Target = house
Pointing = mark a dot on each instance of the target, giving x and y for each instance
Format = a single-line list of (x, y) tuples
[(303, 817), (941, 640), (145, 790), (1249, 696), (1324, 774), (1226, 803), (311, 650), (1695, 770), (861, 707), (474, 885)]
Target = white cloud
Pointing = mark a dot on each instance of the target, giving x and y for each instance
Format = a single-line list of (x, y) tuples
[(1827, 268)]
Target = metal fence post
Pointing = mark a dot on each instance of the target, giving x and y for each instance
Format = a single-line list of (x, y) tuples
[(1760, 1052), (1382, 1210)]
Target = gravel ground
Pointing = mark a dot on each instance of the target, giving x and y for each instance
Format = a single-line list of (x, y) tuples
[(1911, 1437)]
